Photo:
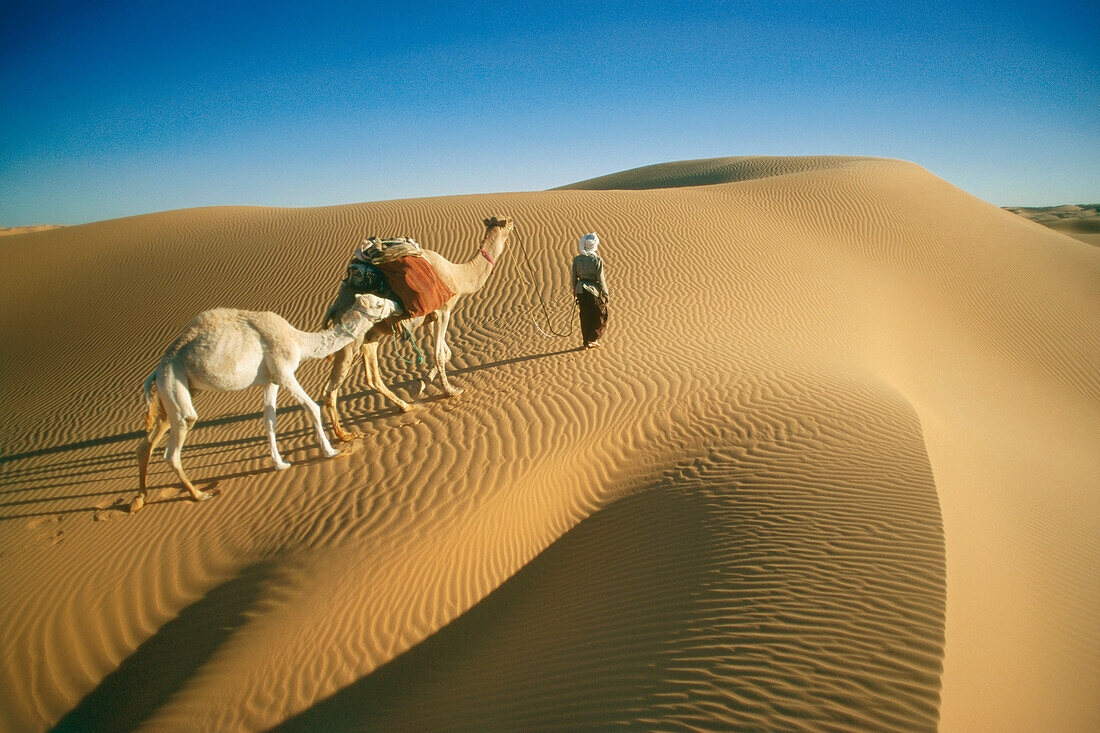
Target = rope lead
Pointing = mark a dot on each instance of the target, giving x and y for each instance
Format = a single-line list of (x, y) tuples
[(406, 336), (529, 275)]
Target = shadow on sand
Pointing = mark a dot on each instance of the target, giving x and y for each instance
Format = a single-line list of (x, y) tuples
[(244, 417), (84, 471), (714, 599), (161, 665), (579, 639)]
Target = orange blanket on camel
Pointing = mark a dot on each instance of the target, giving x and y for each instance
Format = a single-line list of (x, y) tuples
[(416, 283)]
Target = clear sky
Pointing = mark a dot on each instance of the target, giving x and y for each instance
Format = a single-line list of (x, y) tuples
[(113, 108)]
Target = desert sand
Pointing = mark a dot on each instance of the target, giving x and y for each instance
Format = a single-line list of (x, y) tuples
[(835, 468), (11, 231), (1078, 221)]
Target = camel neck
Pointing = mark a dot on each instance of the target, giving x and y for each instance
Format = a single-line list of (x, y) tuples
[(319, 344), (485, 259)]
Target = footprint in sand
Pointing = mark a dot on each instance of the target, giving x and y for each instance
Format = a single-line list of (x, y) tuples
[(40, 522), (107, 511), (47, 529)]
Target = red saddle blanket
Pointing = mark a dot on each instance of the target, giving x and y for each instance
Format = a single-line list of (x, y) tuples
[(416, 283)]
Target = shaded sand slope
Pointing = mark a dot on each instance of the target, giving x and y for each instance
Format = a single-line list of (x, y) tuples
[(838, 453)]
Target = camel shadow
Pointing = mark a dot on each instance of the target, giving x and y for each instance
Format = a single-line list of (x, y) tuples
[(75, 474), (411, 384), (246, 416), (299, 455), (85, 471)]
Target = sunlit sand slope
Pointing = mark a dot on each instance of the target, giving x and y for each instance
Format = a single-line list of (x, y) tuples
[(833, 469), (710, 171), (10, 231)]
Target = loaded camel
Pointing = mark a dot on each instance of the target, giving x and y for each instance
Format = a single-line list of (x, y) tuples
[(462, 279), (226, 350)]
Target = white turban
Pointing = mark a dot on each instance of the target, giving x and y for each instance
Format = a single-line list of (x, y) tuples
[(589, 243)]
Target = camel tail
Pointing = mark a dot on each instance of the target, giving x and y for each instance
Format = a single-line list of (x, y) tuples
[(150, 402)]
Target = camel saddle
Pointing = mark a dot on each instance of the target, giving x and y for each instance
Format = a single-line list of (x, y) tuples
[(416, 284), (396, 268)]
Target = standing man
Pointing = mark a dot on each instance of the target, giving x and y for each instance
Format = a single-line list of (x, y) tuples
[(590, 290)]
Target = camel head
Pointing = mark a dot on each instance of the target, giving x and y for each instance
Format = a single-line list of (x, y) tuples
[(504, 222), (497, 231), (367, 310)]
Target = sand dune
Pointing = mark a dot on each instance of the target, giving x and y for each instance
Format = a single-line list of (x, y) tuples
[(1080, 222), (710, 171), (834, 469), (10, 231)]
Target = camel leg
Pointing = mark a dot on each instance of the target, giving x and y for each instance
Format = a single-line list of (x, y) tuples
[(181, 417), (176, 437), (270, 394), (144, 451), (442, 353), (342, 362), (426, 382), (446, 359), (291, 384), (374, 375), (434, 372)]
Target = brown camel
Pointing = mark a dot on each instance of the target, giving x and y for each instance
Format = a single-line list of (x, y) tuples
[(462, 279)]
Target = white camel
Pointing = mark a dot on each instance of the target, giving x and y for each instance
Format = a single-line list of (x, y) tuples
[(226, 350)]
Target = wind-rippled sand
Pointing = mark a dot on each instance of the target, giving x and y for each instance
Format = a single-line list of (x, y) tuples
[(835, 468)]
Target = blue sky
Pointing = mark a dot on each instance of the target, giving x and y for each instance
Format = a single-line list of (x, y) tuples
[(120, 108)]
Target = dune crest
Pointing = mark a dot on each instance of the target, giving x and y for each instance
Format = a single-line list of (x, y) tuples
[(711, 171), (833, 468)]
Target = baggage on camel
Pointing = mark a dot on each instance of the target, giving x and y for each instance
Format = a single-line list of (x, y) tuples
[(396, 269), (463, 278)]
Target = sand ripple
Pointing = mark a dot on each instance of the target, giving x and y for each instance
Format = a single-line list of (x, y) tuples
[(736, 515)]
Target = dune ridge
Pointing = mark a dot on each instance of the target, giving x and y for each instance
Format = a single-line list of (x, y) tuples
[(835, 450), (711, 171)]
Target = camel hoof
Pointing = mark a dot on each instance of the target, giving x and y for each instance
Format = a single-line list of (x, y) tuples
[(454, 392), (205, 495), (137, 504), (282, 466), (332, 453)]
